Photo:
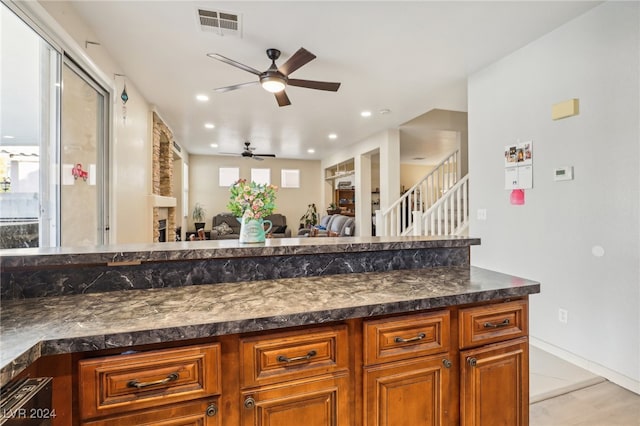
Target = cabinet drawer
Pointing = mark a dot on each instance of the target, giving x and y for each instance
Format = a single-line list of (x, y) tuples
[(194, 413), (493, 323), (284, 356), (409, 336), (122, 383)]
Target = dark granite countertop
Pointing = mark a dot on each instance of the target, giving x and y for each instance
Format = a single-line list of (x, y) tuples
[(194, 250), (31, 328)]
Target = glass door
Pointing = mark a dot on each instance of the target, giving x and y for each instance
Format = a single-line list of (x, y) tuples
[(83, 156), (29, 111)]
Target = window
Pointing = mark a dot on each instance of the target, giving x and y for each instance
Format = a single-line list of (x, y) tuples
[(261, 176), (290, 178), (228, 176)]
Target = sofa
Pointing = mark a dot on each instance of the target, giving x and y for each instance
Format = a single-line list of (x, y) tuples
[(335, 225), (226, 226)]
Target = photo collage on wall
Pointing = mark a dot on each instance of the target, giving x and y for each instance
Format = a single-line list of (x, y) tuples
[(518, 163)]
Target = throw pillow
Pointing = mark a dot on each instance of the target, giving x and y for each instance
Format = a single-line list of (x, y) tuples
[(223, 229)]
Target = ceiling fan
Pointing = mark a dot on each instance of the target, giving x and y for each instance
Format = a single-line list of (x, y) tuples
[(275, 79), (248, 153)]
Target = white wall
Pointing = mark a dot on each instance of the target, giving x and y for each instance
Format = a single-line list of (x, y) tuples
[(291, 202), (594, 58)]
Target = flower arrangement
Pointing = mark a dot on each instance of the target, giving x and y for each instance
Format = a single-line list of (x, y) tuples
[(251, 200)]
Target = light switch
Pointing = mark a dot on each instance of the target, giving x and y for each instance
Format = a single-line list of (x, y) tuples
[(482, 214)]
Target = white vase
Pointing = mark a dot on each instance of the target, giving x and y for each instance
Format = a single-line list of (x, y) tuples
[(252, 230)]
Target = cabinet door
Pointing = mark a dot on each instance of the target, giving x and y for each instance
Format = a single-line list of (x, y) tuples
[(494, 389), (323, 402), (410, 393), (196, 413)]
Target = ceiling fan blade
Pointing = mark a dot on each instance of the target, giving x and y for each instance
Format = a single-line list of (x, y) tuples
[(265, 155), (235, 86), (282, 98), (310, 84), (298, 59), (234, 63)]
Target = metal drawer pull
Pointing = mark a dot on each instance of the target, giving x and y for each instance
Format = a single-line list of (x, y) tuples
[(170, 378), (413, 339), (282, 358), (500, 324), (472, 362), (446, 363)]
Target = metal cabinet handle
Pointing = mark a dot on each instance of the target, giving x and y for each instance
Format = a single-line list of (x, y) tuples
[(139, 385), (447, 363), (472, 362), (413, 339), (212, 410), (309, 355), (504, 323), (249, 403)]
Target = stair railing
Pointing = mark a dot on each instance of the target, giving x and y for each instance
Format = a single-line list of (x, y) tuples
[(447, 216), (398, 218)]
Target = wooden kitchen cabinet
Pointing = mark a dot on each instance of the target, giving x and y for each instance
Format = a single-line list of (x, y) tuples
[(296, 378), (494, 387), (196, 413), (407, 375), (445, 367), (494, 362), (409, 393), (129, 383), (320, 401)]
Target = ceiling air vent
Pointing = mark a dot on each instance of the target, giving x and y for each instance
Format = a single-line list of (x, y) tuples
[(221, 23)]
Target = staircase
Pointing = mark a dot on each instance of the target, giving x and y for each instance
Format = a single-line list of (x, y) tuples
[(437, 205)]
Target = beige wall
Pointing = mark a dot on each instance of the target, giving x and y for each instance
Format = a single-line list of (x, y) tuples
[(416, 131), (291, 202), (410, 174)]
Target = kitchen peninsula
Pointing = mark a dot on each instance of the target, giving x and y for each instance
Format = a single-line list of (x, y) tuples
[(330, 330)]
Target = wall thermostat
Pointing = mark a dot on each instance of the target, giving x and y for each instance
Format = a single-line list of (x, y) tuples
[(563, 173)]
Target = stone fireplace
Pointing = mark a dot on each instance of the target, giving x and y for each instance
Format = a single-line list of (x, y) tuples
[(163, 202)]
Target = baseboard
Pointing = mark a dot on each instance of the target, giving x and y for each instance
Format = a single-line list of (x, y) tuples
[(590, 366)]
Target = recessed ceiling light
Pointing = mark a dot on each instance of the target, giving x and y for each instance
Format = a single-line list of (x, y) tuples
[(8, 137), (214, 145), (311, 150), (333, 136), (385, 111), (365, 114), (202, 98), (209, 126)]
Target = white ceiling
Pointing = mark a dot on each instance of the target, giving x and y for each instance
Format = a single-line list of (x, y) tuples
[(408, 57)]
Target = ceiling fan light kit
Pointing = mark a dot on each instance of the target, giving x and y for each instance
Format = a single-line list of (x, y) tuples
[(248, 153), (275, 79), (272, 83)]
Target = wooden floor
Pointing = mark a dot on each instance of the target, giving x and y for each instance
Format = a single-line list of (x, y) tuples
[(603, 404)]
